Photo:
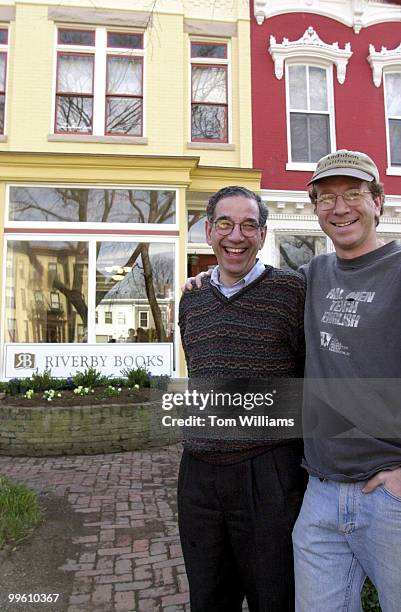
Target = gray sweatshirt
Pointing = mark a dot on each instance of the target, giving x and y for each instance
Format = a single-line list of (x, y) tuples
[(352, 395)]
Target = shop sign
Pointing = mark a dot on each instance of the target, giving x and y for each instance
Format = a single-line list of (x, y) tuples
[(63, 360)]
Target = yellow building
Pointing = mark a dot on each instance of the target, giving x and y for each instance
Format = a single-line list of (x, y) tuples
[(116, 125)]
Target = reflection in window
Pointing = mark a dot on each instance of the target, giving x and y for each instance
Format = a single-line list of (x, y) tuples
[(196, 226), (295, 250), (52, 306), (209, 95), (136, 276), (66, 204)]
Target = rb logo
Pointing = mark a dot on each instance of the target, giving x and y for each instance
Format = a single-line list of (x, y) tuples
[(24, 360)]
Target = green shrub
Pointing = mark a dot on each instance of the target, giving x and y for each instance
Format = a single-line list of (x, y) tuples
[(137, 376), (19, 512), (370, 600), (41, 382), (160, 382), (89, 378)]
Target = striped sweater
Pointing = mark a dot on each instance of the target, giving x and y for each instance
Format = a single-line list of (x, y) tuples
[(257, 333)]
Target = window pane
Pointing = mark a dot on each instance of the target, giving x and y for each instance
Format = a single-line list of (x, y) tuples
[(124, 41), (76, 37), (3, 63), (310, 137), (297, 87), (208, 84), (296, 250), (2, 104), (209, 122), (75, 73), (196, 226), (46, 323), (3, 36), (317, 89), (124, 75), (124, 116), (65, 204), (395, 141), (134, 277), (319, 134), (208, 50), (393, 94), (74, 114)]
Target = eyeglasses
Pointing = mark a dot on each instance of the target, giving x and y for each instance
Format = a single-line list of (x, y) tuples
[(224, 227), (327, 201)]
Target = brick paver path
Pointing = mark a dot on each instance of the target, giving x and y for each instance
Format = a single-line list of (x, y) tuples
[(133, 562)]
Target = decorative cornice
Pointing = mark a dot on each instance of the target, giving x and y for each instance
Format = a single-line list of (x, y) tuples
[(356, 14), (382, 59), (309, 46)]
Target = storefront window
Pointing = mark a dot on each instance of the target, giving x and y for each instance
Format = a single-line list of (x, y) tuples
[(66, 204), (135, 290), (48, 306), (196, 226), (294, 250)]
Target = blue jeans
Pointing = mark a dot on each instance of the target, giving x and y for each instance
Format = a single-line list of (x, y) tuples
[(341, 536)]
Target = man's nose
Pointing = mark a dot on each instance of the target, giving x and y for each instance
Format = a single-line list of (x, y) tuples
[(236, 235), (341, 206)]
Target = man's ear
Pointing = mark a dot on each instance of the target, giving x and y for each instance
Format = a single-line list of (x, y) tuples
[(263, 233), (378, 202), (208, 231)]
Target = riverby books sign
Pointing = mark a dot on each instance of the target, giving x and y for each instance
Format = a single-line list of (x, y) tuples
[(63, 360)]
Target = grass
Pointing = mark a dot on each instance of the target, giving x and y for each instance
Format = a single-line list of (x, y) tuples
[(19, 512)]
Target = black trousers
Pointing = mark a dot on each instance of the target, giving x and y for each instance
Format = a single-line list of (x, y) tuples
[(235, 526)]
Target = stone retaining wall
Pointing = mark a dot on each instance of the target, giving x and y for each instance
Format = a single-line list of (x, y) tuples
[(49, 430)]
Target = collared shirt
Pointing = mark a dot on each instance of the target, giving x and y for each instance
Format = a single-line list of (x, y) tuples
[(228, 292)]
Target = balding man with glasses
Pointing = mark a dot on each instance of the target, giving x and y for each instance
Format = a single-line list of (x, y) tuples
[(239, 495)]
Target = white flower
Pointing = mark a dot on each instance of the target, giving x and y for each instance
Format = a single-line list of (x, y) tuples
[(136, 386)]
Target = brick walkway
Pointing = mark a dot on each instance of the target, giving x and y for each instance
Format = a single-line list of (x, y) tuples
[(134, 561)]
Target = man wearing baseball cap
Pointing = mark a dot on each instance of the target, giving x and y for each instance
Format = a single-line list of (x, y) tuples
[(350, 522)]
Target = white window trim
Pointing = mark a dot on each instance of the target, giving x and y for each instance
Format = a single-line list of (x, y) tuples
[(99, 51), (380, 60), (309, 48), (99, 226), (390, 170), (218, 62), (310, 166)]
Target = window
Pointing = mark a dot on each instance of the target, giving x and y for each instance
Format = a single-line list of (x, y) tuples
[(76, 291), (143, 319), (10, 297), (309, 112), (294, 250), (99, 84), (3, 75), (108, 317), (392, 88), (55, 300), (47, 321), (209, 92), (196, 226), (12, 330)]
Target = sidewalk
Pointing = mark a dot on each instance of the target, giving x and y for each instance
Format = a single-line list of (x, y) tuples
[(131, 561)]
